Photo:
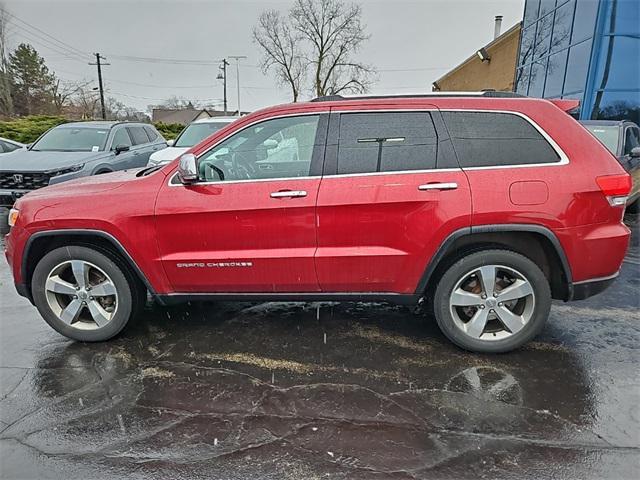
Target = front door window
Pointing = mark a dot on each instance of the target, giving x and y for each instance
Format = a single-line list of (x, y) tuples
[(279, 148)]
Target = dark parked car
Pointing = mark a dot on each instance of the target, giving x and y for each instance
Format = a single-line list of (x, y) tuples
[(622, 138), (74, 150)]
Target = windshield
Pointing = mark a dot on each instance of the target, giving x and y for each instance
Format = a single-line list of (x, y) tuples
[(72, 139), (608, 135), (196, 132)]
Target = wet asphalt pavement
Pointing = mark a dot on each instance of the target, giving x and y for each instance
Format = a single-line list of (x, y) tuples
[(310, 391)]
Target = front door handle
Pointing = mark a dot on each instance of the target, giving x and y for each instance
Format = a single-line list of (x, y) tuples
[(439, 186), (288, 194)]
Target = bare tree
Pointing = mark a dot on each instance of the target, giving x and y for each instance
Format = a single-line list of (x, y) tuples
[(282, 50), (335, 33), (6, 103), (315, 43), (85, 102), (63, 93)]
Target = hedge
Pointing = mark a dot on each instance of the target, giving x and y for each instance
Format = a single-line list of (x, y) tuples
[(28, 129), (169, 130)]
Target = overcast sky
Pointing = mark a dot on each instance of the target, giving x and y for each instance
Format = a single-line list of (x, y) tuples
[(412, 43)]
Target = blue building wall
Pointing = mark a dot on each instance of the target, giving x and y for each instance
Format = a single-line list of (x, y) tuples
[(583, 49)]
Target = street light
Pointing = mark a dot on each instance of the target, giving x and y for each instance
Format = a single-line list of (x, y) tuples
[(237, 59)]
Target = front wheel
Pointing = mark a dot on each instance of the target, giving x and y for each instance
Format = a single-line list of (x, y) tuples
[(84, 294), (492, 301)]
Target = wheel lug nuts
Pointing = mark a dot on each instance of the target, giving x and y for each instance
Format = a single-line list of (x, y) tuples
[(495, 294), (500, 304), (481, 307), (484, 296)]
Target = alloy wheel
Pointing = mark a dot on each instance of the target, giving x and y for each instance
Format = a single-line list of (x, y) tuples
[(81, 295), (492, 302)]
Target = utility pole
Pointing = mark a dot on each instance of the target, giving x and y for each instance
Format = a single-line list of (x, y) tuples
[(237, 59), (100, 65), (223, 76)]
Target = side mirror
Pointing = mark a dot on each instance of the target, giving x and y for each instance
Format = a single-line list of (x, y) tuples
[(188, 169), (121, 148), (635, 152), (170, 143)]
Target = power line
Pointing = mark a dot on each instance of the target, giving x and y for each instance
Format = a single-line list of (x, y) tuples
[(35, 31), (48, 46)]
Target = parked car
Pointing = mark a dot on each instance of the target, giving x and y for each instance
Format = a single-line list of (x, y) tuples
[(7, 145), (74, 150), (482, 207), (191, 135), (622, 138)]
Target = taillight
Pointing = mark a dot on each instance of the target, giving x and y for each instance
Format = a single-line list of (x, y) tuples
[(615, 187)]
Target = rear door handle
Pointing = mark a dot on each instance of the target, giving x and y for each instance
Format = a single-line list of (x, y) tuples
[(439, 186), (289, 194)]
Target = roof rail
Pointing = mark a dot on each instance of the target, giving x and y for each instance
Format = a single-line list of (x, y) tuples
[(484, 93)]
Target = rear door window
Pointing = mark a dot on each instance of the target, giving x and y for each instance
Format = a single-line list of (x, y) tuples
[(138, 135), (386, 142), (489, 139)]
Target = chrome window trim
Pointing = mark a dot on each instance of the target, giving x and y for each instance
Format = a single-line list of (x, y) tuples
[(564, 159)]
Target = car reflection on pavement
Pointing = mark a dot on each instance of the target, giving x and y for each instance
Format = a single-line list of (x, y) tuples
[(285, 390)]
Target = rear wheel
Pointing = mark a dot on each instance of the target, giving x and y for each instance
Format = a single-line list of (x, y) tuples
[(492, 301), (84, 294)]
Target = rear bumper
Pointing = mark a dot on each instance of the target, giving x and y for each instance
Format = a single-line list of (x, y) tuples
[(589, 288)]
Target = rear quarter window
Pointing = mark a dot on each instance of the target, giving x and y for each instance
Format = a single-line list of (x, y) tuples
[(488, 139), (151, 133)]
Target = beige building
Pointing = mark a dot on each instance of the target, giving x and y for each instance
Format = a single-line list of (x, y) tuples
[(492, 67)]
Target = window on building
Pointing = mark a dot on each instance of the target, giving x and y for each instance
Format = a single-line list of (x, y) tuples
[(537, 78), (618, 63), (484, 139), (546, 6), (527, 45), (577, 67), (531, 11), (555, 74), (617, 106), (386, 142), (562, 26), (585, 20), (522, 80), (543, 36), (623, 17)]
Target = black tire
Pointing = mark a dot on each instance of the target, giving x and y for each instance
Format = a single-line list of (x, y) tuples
[(130, 296), (506, 258), (634, 207)]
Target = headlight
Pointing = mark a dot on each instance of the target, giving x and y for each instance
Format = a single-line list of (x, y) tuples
[(13, 216), (63, 171)]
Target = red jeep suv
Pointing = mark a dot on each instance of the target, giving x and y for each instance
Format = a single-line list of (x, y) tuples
[(484, 206)]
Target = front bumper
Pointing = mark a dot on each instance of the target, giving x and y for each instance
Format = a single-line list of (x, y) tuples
[(589, 288), (9, 197)]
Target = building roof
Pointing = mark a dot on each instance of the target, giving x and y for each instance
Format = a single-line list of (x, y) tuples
[(177, 115), (496, 41)]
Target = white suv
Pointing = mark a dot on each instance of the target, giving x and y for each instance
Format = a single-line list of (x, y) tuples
[(193, 134)]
